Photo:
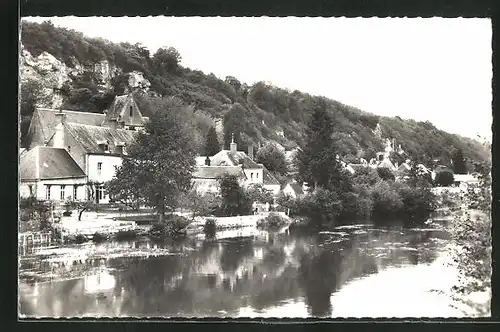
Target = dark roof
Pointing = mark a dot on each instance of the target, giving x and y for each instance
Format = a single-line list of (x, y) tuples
[(119, 106), (214, 172), (268, 177), (90, 136), (48, 119), (43, 163), (297, 188)]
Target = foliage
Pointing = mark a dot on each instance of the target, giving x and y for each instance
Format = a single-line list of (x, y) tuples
[(317, 161), (471, 232), (273, 158), (273, 221), (163, 157), (365, 176), (265, 108), (234, 199), (34, 211), (458, 161), (205, 204), (385, 174), (125, 187), (257, 193), (323, 207), (444, 178), (210, 227), (212, 145), (173, 225), (387, 203)]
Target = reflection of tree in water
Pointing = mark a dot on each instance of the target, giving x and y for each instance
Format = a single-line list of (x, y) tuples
[(234, 252)]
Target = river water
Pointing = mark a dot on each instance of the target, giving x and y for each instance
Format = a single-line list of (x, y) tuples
[(357, 271)]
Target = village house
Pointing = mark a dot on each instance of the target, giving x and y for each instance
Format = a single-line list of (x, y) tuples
[(95, 142), (294, 190), (464, 181), (237, 162)]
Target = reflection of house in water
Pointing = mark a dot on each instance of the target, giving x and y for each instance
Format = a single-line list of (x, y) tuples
[(100, 282)]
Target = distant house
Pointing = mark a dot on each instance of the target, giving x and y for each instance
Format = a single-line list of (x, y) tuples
[(293, 190), (96, 142), (49, 173), (255, 173), (205, 178), (464, 180)]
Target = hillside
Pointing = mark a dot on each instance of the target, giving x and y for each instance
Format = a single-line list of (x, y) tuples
[(63, 68)]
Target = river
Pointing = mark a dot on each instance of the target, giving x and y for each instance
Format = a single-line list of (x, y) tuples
[(356, 271)]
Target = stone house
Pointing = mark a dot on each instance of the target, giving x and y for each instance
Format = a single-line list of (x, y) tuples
[(95, 142)]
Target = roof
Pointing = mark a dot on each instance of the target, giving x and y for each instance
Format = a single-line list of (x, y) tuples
[(215, 172), (269, 179), (296, 187), (386, 163), (90, 136), (404, 167), (356, 167), (226, 158), (48, 121), (43, 163), (119, 106)]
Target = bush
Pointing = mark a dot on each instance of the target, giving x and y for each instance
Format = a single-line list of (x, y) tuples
[(385, 174), (173, 225), (210, 227), (444, 178), (125, 235), (418, 203), (323, 208), (98, 237), (387, 204), (272, 222)]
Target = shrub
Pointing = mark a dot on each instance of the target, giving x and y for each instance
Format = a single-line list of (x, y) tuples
[(418, 203), (80, 238), (98, 237), (387, 204), (365, 176), (177, 223), (322, 207), (173, 225), (444, 178), (125, 235), (272, 221), (385, 174), (210, 227)]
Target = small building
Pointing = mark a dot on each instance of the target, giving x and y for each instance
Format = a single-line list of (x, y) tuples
[(465, 180), (293, 190), (49, 173), (206, 178)]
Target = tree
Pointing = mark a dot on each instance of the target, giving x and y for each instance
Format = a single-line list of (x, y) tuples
[(234, 199), (234, 124), (162, 158), (317, 162), (125, 187), (385, 174), (458, 161), (444, 178), (30, 96), (212, 145), (257, 193), (167, 59), (273, 159)]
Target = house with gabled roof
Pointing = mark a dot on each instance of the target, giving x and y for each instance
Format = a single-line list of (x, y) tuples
[(255, 173), (96, 142), (50, 173)]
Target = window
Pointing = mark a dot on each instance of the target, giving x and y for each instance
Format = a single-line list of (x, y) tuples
[(131, 111), (75, 192), (47, 192), (31, 189), (257, 175), (251, 176), (99, 168), (100, 193), (62, 192), (69, 149)]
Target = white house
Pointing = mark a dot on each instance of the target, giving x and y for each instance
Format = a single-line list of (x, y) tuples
[(254, 173), (95, 142), (49, 173)]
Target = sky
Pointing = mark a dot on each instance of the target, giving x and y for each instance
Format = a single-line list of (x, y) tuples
[(435, 69)]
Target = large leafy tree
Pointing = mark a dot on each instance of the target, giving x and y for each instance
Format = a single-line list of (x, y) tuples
[(317, 161), (234, 124), (234, 199), (459, 164), (163, 157), (273, 158), (125, 187), (212, 145)]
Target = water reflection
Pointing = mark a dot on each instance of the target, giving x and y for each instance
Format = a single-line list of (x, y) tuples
[(259, 274)]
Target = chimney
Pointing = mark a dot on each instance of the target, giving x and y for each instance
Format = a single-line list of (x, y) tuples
[(232, 146), (207, 161), (250, 152), (58, 139)]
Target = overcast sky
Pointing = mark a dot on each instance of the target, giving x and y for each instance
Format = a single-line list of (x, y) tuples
[(426, 69)]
